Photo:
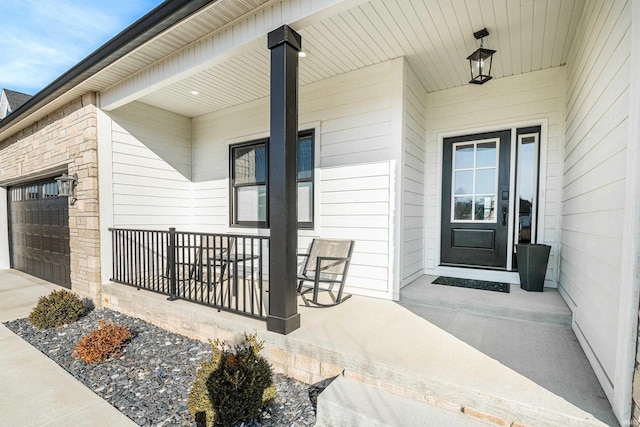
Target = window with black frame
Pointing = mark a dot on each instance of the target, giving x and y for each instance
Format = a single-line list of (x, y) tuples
[(249, 167)]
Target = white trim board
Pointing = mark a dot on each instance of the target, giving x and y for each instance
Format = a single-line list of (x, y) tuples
[(623, 392), (105, 191), (5, 260)]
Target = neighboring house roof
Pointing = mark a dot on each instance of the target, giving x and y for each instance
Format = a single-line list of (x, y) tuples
[(10, 101), (16, 99)]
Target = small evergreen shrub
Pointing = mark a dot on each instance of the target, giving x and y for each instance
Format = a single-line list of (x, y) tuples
[(57, 309), (106, 341), (233, 385)]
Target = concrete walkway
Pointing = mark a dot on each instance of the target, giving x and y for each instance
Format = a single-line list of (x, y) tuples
[(34, 390)]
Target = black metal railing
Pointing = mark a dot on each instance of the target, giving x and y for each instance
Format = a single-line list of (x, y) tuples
[(225, 271)]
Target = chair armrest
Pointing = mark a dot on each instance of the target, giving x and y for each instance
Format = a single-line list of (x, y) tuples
[(217, 261), (320, 259), (332, 258), (218, 252), (303, 255)]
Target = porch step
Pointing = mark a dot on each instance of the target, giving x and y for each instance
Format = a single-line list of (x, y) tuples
[(367, 400), (347, 402), (539, 307)]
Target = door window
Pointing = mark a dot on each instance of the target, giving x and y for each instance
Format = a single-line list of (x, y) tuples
[(475, 181)]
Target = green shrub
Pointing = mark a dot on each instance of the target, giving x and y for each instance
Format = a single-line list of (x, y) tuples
[(106, 341), (57, 309), (233, 385)]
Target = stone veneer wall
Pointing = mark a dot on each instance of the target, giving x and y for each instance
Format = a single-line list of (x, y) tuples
[(303, 361), (66, 137)]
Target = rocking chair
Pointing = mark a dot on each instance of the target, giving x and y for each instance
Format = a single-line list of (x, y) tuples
[(325, 267)]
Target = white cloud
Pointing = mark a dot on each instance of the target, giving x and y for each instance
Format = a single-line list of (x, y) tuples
[(41, 39)]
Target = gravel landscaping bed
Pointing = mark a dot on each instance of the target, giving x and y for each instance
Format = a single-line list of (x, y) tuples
[(150, 382)]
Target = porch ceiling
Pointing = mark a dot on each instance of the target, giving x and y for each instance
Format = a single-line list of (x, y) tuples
[(436, 36)]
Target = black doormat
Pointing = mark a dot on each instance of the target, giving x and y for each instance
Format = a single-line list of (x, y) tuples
[(473, 284)]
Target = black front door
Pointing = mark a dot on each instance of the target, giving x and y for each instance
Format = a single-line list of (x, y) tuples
[(475, 200)]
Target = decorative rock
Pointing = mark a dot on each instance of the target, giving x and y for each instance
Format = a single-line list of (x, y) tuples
[(151, 381)]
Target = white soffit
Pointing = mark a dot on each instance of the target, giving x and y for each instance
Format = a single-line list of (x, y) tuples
[(436, 36), (194, 27)]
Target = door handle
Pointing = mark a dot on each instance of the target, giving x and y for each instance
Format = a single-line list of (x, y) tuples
[(504, 216)]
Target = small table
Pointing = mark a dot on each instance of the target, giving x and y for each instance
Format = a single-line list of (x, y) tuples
[(223, 261)]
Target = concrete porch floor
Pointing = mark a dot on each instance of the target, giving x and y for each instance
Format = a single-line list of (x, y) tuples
[(527, 332), (514, 353), (458, 358)]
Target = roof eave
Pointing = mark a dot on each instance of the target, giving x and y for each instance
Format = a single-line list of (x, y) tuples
[(150, 25)]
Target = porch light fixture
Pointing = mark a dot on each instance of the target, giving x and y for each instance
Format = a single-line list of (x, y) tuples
[(66, 186), (194, 92), (480, 60), (302, 54)]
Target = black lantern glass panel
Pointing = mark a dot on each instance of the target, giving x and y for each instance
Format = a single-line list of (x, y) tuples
[(480, 60), (480, 64)]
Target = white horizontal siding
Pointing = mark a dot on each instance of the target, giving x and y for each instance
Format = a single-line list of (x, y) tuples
[(352, 113), (348, 216), (151, 168), (531, 97), (594, 180), (413, 182)]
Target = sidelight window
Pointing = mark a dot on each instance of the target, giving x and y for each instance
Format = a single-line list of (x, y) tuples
[(527, 188)]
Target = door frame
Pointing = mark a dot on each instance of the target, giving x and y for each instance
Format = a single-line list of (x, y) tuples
[(490, 274)]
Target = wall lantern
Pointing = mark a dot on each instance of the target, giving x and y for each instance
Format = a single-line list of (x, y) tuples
[(480, 60), (66, 185)]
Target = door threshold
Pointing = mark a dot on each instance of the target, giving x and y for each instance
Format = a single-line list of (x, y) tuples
[(473, 267)]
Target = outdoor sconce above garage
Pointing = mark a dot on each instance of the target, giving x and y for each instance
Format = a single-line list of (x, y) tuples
[(480, 60), (66, 186)]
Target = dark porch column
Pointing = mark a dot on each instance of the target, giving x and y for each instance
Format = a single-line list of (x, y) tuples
[(283, 317)]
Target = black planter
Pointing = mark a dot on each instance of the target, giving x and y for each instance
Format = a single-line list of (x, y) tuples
[(532, 266)]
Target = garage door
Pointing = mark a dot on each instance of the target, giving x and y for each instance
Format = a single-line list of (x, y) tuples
[(39, 227)]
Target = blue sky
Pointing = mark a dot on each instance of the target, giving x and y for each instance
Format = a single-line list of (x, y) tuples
[(41, 39)]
